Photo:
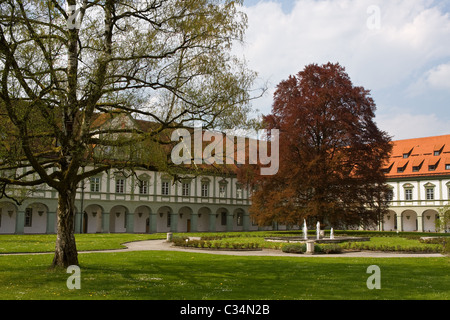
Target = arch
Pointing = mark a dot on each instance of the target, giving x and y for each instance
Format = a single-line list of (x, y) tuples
[(204, 215), (390, 221), (142, 219), (238, 219), (118, 219), (409, 220), (92, 218), (8, 216), (223, 219), (35, 218), (164, 219), (429, 220), (184, 219)]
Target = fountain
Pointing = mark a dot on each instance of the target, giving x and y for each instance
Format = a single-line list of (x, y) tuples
[(320, 237), (305, 230), (318, 230)]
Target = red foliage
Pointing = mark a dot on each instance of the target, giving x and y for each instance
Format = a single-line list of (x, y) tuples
[(331, 153)]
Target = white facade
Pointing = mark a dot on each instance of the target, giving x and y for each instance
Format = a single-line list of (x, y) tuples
[(145, 202), (415, 204)]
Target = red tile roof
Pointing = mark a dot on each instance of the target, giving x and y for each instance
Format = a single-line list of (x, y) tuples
[(419, 157)]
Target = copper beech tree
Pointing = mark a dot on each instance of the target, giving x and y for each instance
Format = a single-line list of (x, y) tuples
[(69, 68), (331, 153)]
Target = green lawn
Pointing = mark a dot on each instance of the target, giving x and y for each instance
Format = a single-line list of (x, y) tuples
[(185, 275), (46, 243)]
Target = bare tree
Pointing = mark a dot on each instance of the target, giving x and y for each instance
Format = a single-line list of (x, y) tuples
[(68, 67)]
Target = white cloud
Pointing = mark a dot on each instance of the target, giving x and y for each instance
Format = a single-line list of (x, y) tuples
[(406, 126), (412, 35), (439, 77)]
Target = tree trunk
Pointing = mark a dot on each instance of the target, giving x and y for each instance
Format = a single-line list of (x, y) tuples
[(65, 249)]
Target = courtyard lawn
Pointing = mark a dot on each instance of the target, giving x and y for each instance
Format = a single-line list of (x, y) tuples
[(185, 275), (85, 242)]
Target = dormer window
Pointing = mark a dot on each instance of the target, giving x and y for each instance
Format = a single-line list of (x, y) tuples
[(388, 167), (401, 166), (417, 165), (432, 165), (407, 152), (437, 150)]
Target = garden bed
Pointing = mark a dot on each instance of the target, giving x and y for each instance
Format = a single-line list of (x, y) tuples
[(215, 245)]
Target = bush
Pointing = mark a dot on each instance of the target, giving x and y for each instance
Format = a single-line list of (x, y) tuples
[(328, 249), (294, 248), (446, 247), (433, 240)]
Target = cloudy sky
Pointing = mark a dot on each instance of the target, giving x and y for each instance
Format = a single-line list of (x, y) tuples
[(398, 49)]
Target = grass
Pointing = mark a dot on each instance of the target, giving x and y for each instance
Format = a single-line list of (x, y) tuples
[(85, 242), (157, 275), (185, 275)]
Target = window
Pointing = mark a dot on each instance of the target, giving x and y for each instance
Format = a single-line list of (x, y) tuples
[(238, 191), (28, 217), (437, 153), (120, 185), (447, 166), (95, 184), (408, 194), (165, 188), (432, 168), (169, 218), (222, 190), (185, 189), (405, 155), (430, 193), (205, 189), (390, 195), (143, 187)]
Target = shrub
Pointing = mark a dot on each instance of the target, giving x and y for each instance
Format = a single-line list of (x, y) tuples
[(328, 248), (446, 247), (294, 248)]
